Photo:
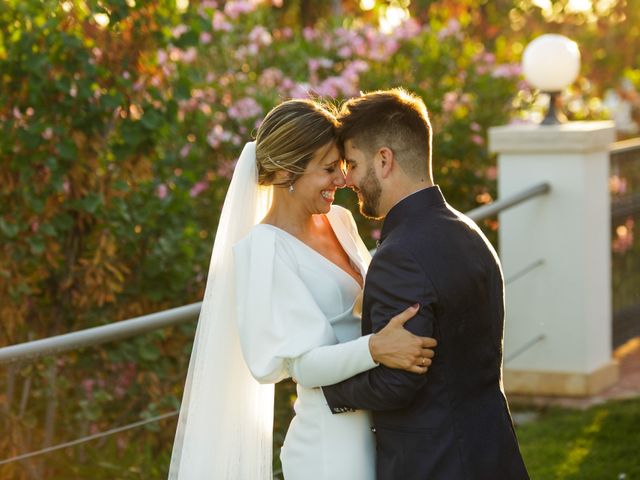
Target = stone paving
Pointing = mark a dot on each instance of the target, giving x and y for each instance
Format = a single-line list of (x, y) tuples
[(628, 386)]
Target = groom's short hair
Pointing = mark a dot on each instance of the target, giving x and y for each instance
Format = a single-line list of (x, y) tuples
[(393, 118)]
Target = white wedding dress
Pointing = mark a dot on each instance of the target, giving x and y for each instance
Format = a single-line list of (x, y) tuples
[(295, 317)]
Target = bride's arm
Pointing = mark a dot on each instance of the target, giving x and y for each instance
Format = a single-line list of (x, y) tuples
[(278, 318), (283, 332), (393, 346), (331, 364)]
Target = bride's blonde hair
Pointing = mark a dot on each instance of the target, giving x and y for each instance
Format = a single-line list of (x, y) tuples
[(289, 136)]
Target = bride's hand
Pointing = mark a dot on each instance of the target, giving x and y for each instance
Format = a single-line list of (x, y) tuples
[(396, 347)]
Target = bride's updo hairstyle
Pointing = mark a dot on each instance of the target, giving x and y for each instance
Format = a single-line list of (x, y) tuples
[(289, 136)]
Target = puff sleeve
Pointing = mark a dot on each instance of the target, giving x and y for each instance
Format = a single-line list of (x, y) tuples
[(283, 331)]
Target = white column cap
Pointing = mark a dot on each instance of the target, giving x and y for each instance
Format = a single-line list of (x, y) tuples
[(581, 137)]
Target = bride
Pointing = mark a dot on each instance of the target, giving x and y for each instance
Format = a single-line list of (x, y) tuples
[(282, 300)]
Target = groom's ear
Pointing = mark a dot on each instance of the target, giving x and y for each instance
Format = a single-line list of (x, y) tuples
[(385, 161)]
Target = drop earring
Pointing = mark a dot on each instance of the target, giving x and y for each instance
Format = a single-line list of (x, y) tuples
[(291, 188)]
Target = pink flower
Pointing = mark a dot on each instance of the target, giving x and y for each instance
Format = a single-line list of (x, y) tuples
[(48, 133), (507, 70), (245, 108), (179, 30), (270, 77), (345, 84), (286, 33), (475, 127), (452, 28), (358, 45), (260, 36), (449, 101), (235, 8), (317, 63), (198, 188), (161, 191), (409, 29), (184, 151), (491, 173), (205, 38), (87, 386), (162, 57), (217, 135), (489, 57), (358, 66), (327, 88), (219, 23), (225, 169), (299, 90), (309, 34), (617, 184), (345, 52), (313, 64), (477, 139), (189, 55)]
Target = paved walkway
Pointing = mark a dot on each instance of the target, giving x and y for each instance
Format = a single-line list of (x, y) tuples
[(628, 386)]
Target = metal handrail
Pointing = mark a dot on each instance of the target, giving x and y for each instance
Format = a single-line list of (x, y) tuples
[(516, 353), (166, 318), (88, 438), (502, 204), (532, 266), (98, 335)]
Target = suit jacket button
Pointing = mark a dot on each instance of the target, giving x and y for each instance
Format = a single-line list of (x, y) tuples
[(373, 429)]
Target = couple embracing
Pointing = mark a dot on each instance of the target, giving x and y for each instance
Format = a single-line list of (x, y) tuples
[(399, 377)]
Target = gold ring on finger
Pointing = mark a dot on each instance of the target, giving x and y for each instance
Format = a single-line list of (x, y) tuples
[(424, 360)]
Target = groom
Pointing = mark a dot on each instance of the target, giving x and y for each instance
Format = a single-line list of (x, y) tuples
[(452, 423)]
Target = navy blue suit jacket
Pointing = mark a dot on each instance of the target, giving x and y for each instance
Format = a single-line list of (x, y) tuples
[(452, 423)]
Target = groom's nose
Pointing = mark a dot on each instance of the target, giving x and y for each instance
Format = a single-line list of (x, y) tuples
[(348, 180)]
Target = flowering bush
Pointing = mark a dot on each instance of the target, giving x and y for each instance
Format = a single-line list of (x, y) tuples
[(247, 62)]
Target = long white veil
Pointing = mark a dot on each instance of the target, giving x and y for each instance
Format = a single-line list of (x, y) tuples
[(226, 417)]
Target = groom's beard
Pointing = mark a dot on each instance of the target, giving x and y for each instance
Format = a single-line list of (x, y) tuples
[(370, 191)]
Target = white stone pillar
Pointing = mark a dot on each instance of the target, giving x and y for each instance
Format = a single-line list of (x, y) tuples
[(568, 297)]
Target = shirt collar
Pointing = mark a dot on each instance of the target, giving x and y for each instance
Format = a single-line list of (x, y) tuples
[(411, 206)]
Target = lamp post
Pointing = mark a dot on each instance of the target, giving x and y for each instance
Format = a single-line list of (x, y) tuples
[(550, 63)]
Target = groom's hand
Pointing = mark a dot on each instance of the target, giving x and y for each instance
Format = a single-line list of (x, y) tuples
[(396, 347)]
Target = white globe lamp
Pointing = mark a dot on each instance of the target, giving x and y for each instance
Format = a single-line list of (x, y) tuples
[(551, 63)]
